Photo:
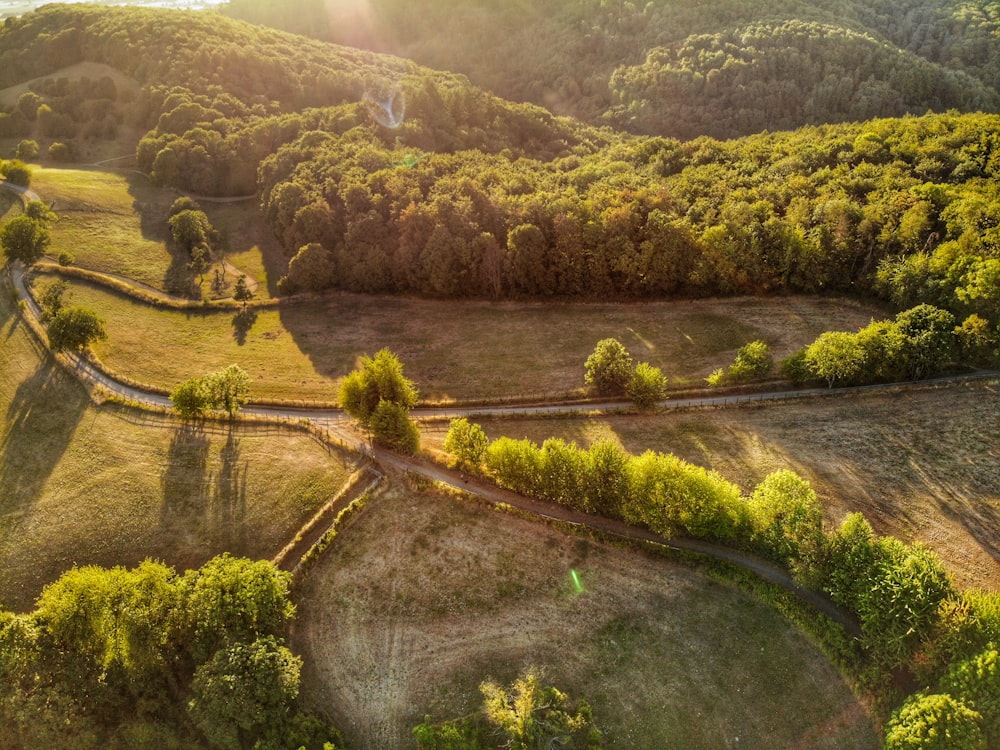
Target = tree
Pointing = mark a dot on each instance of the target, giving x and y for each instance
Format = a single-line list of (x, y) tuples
[(976, 342), (934, 722), (467, 442), (976, 682), (609, 367), (16, 172), (201, 261), (190, 228), (41, 213), (51, 299), (753, 360), (531, 715), (787, 518), (241, 292), (379, 378), (835, 356), (24, 239), (27, 150), (191, 398), (927, 340), (647, 386), (243, 690), (391, 426), (229, 389), (75, 328)]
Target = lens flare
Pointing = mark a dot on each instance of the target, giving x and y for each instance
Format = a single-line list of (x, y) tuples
[(387, 111), (577, 583)]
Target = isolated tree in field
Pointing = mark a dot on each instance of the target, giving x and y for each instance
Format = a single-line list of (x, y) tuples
[(229, 389), (75, 328), (191, 398), (609, 367), (241, 292), (647, 386), (24, 239), (51, 299), (467, 442), (190, 228), (379, 378), (934, 722)]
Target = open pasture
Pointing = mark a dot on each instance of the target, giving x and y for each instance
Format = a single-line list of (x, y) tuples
[(453, 350), (424, 596)]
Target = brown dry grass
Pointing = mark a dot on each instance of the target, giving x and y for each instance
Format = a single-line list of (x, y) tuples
[(424, 596), (921, 465)]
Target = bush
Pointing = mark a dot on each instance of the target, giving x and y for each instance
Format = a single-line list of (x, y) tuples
[(392, 427), (27, 150), (60, 152), (17, 172), (467, 442), (66, 258), (753, 360), (934, 722), (647, 386), (609, 368)]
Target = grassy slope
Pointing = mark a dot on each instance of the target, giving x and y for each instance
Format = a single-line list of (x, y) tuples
[(80, 484), (460, 349), (920, 465), (425, 596)]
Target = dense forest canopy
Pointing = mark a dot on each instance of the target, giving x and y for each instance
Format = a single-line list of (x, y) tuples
[(378, 175), (670, 68)]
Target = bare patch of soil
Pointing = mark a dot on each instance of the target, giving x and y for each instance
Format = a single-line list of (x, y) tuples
[(425, 595)]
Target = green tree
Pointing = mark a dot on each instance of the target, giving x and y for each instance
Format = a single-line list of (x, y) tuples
[(836, 357), (753, 360), (24, 239), (231, 600), (609, 367), (51, 299), (190, 228), (928, 340), (16, 172), (191, 398), (201, 261), (241, 292), (976, 682), (229, 389), (647, 386), (244, 690), (532, 715), (27, 150), (391, 426), (39, 212), (976, 341), (379, 378), (934, 722), (75, 328), (786, 516), (467, 442)]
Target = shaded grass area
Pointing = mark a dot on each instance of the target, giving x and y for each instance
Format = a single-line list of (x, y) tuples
[(109, 486), (10, 205), (921, 465), (453, 350), (424, 596), (115, 221)]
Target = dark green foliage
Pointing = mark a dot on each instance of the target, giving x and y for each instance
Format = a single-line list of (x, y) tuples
[(609, 368), (796, 368), (75, 328), (24, 239), (190, 228), (16, 171), (934, 722), (27, 150), (51, 299), (191, 398), (392, 427), (241, 292), (227, 389), (113, 658), (379, 378)]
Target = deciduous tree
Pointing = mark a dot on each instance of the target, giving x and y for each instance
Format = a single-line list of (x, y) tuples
[(75, 328), (609, 367)]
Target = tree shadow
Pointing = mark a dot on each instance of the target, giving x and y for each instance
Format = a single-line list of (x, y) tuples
[(230, 496), (242, 323), (185, 479), (42, 418)]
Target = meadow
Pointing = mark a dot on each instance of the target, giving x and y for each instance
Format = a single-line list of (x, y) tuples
[(84, 484), (426, 595)]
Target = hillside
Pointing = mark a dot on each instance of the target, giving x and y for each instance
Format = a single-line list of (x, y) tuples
[(671, 68)]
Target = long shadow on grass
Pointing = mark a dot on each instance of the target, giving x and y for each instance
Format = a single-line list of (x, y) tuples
[(229, 506), (40, 423), (185, 479)]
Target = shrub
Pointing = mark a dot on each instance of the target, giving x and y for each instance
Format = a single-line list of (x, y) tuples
[(66, 258), (753, 360), (934, 722), (609, 367)]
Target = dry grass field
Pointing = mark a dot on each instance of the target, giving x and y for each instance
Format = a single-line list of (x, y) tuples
[(424, 596), (460, 349), (921, 465), (81, 484)]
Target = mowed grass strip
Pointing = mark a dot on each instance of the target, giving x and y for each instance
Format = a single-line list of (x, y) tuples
[(462, 350), (112, 486), (921, 465), (423, 597)]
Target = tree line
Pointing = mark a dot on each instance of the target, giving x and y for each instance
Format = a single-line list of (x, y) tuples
[(912, 617), (119, 658)]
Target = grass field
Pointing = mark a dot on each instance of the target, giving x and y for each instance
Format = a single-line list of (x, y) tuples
[(80, 484), (452, 350), (116, 222), (10, 205), (921, 465), (424, 596)]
